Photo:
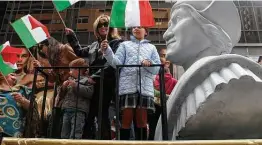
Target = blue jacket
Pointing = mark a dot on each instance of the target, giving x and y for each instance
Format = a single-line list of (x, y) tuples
[(133, 53)]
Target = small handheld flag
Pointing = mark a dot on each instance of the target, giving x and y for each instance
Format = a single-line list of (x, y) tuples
[(131, 13), (30, 30), (63, 4), (8, 58)]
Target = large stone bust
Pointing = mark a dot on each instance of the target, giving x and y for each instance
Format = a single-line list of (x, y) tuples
[(219, 95)]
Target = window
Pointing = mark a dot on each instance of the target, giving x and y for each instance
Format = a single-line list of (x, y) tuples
[(236, 2), (17, 5), (258, 14), (9, 5), (83, 19), (45, 21), (257, 3), (252, 36), (15, 39), (36, 4), (24, 5), (260, 35), (86, 38), (242, 38), (57, 36), (245, 3), (23, 12), (48, 5), (56, 21), (2, 35), (35, 12), (248, 19)]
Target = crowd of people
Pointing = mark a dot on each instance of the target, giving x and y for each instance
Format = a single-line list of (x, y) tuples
[(78, 92)]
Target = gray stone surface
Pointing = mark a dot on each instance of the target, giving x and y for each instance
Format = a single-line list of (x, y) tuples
[(233, 112)]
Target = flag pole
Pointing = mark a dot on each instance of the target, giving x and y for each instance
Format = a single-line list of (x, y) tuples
[(59, 15), (108, 27), (31, 54), (7, 82), (107, 30), (99, 50), (61, 18)]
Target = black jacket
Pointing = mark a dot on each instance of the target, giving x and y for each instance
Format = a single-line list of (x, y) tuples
[(94, 57)]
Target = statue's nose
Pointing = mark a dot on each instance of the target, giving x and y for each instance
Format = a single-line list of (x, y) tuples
[(167, 35)]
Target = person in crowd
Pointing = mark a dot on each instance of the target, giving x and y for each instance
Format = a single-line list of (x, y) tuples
[(92, 52), (13, 107), (135, 52), (170, 83), (71, 100), (53, 53), (25, 77), (25, 70), (22, 65)]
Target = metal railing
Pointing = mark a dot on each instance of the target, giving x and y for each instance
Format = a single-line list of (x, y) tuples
[(100, 103)]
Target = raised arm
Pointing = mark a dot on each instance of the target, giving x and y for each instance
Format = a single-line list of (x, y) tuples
[(74, 43)]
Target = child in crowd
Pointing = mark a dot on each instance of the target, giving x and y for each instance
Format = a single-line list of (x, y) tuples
[(135, 52), (70, 97)]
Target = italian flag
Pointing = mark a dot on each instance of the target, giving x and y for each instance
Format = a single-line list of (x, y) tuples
[(8, 58), (30, 30), (131, 13), (63, 4)]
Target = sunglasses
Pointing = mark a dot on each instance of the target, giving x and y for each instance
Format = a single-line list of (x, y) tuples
[(105, 24)]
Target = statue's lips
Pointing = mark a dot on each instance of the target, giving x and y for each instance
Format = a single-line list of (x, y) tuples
[(170, 42)]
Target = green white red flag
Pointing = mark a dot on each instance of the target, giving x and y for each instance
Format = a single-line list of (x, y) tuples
[(131, 13), (30, 30), (63, 4), (8, 58)]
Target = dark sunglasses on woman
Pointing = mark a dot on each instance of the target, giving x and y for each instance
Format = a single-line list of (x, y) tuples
[(105, 24)]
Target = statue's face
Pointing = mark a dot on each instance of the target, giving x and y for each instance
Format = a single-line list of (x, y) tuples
[(184, 37)]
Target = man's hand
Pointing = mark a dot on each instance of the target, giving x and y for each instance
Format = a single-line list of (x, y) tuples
[(146, 63), (104, 46), (68, 31)]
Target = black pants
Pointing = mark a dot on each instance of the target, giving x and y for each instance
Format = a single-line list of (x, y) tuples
[(90, 127), (152, 122)]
